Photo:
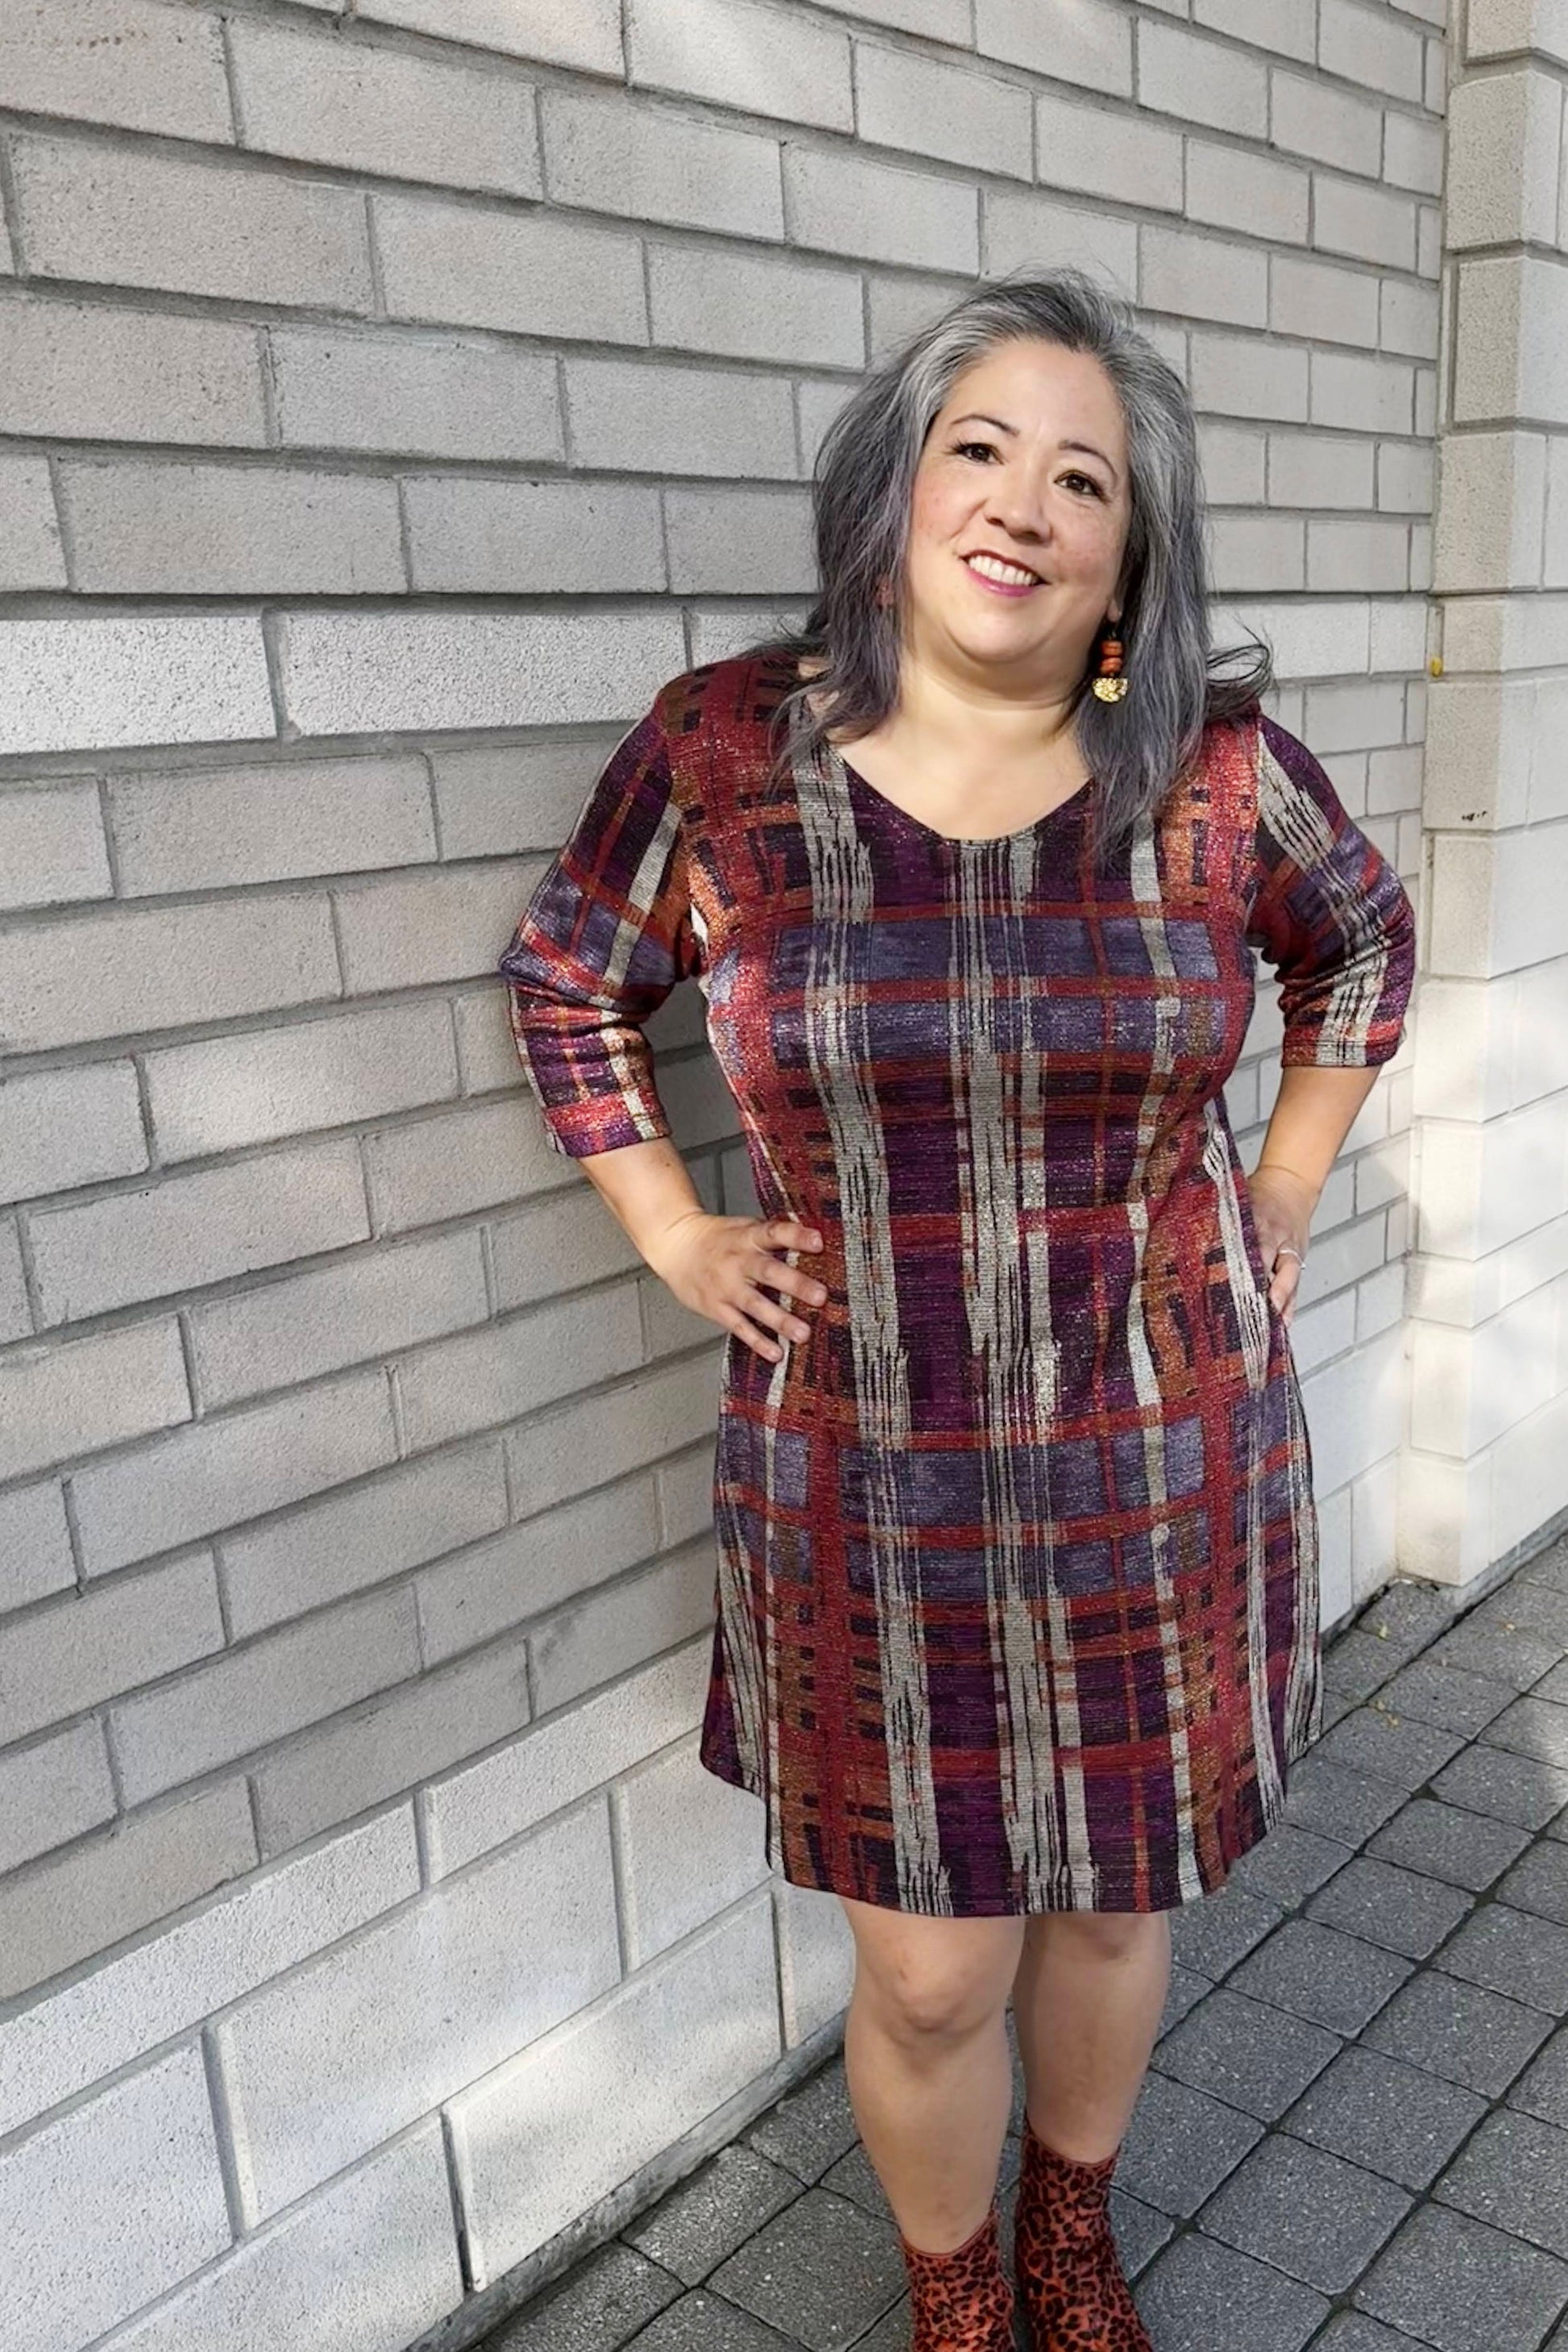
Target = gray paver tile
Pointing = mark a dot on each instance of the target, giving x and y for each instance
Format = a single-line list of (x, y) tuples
[(1532, 1727), (1537, 1606), (810, 2127), (821, 2271), (1358, 1663), (1397, 1748), (1391, 2118), (1399, 1909), (1513, 1952), (1317, 1972), (1513, 2174), (1408, 1614), (1469, 1849), (1246, 2053), (1547, 1567), (1459, 2031), (1311, 2213), (1518, 1659), (1543, 2088), (1290, 1864), (1184, 1991), (1210, 1937), (598, 2306), (1492, 1780), (1538, 1882), (1446, 1695), (706, 2323), (1340, 1802), (1180, 2145), (705, 2218), (1200, 2295), (1353, 2331), (1463, 2286)]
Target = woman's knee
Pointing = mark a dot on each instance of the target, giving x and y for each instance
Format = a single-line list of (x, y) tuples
[(1100, 1934), (932, 1979)]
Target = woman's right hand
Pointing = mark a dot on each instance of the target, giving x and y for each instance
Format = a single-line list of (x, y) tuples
[(723, 1266)]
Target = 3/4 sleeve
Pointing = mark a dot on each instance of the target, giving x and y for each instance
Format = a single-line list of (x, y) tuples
[(606, 934), (1329, 914)]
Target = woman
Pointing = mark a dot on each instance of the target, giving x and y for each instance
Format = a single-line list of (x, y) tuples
[(1018, 1602)]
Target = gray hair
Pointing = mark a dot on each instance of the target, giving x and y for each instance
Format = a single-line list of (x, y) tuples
[(862, 487)]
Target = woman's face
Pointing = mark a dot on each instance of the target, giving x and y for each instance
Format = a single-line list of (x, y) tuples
[(1025, 462)]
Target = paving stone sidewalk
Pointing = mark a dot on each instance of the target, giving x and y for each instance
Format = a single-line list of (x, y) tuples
[(1353, 2135)]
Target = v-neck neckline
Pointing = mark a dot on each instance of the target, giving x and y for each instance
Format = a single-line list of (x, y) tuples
[(854, 779)]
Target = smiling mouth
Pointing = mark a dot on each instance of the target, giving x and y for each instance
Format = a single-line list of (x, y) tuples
[(1008, 575)]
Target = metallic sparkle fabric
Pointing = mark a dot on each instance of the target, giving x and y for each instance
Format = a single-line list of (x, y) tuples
[(1017, 1556)]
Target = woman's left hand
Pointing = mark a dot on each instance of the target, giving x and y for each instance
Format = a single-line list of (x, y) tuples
[(1282, 1206)]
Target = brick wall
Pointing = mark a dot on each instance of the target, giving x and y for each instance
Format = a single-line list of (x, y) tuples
[(389, 401)]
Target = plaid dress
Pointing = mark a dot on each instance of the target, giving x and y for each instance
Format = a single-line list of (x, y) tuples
[(1017, 1554)]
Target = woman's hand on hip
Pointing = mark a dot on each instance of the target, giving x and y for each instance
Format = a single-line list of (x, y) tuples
[(723, 1267), (1282, 1206)]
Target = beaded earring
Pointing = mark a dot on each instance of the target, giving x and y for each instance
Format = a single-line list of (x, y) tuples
[(1109, 684)]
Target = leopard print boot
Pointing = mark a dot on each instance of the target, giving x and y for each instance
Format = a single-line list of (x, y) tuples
[(1075, 2293), (961, 2300)]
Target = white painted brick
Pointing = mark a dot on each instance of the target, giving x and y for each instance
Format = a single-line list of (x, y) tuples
[(1233, 458), (78, 1903), (1088, 46), (1413, 153), (943, 20), (1332, 125), (690, 1844), (601, 1636), (245, 1935), (414, 395), (549, 1457), (54, 848), (508, 1369), (118, 62), (816, 406), (441, 924), (467, 267), (328, 99), (15, 1314), (230, 1468), (125, 216), (1203, 276), (446, 1165), (525, 2167), (1290, 27), (799, 312), (1023, 228), (351, 673), (478, 535), (57, 1789), (905, 100), (367, 1306), (551, 1559), (619, 155), (1322, 300), (1097, 150), (817, 1958), (73, 685), (31, 555), (557, 1761), (185, 1230), (63, 1398), (1409, 322), (1514, 330), (262, 1691), (1348, 554), (89, 371), (1497, 26), (78, 1652), (109, 2207), (587, 35), (311, 1074), (306, 2280), (391, 1745), (719, 630), (1263, 552), (1245, 375), (739, 541), (1369, 395), (323, 2067), (1355, 1410), (229, 530), (517, 796), (170, 964), (1370, 47), (843, 202), (1232, 189), (763, 61), (557, 1244), (678, 420), (209, 828), (1504, 139), (1319, 469), (34, 1545), (1374, 223), (1179, 72)]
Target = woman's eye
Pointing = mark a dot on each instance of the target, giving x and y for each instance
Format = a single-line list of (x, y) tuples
[(1076, 477), (963, 448)]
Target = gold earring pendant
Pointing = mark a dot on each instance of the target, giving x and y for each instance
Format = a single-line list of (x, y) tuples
[(1109, 685)]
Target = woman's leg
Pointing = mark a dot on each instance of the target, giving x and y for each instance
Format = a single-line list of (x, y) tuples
[(1088, 1999), (926, 2058)]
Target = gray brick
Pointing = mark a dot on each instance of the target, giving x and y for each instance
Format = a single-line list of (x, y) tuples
[(15, 1314), (395, 1743), (765, 60), (262, 1691), (1179, 72), (525, 272), (905, 100), (186, 1231), (1326, 122), (1258, 193), (34, 1545), (1023, 227), (364, 1308), (210, 828), (120, 217), (742, 541), (549, 1458), (587, 35), (943, 20), (1096, 151), (55, 849), (1318, 299), (119, 61), (227, 530), (678, 420), (507, 1368), (599, 1637), (79, 1903), (1289, 29), (447, 1164), (843, 202), (52, 1791), (171, 965), (78, 1652), (328, 99), (80, 371), (63, 1127), (1204, 277), (76, 684), (31, 555), (555, 1244), (345, 1542), (1373, 224), (1374, 49), (311, 1074), (441, 924), (219, 1471), (482, 536), (1089, 48), (64, 1398), (523, 1571), (413, 396), (1235, 375), (795, 312), (691, 1845), (517, 796)]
